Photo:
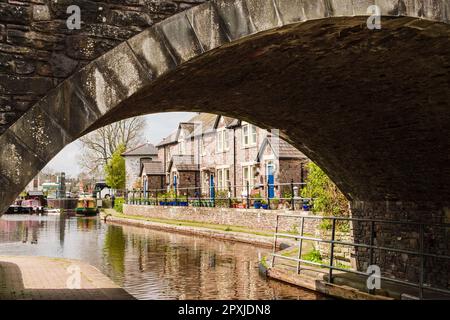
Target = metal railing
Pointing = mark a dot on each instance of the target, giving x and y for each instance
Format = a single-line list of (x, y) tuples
[(257, 196), (420, 285)]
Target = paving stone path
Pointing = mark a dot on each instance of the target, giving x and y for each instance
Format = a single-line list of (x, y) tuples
[(41, 278)]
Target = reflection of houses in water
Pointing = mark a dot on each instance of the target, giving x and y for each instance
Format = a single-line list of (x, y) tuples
[(192, 268), (20, 231)]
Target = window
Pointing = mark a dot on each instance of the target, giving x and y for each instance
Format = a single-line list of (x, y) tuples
[(219, 179), (223, 178), (222, 143), (226, 141), (182, 147), (248, 175), (203, 147), (248, 135)]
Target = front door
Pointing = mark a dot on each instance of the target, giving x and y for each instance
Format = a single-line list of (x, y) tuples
[(212, 192), (270, 180)]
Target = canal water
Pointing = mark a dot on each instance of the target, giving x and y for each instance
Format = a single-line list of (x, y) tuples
[(148, 264)]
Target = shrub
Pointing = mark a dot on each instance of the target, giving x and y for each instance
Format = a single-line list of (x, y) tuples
[(327, 199), (118, 205), (222, 198)]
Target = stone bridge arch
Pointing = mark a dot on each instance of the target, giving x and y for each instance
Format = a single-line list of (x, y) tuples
[(370, 107)]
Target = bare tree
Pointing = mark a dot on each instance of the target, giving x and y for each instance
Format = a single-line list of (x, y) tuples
[(98, 146)]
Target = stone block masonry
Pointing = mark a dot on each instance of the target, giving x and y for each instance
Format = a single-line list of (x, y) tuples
[(38, 51), (257, 219)]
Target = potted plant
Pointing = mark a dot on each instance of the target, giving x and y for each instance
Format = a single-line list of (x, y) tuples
[(264, 204), (274, 203)]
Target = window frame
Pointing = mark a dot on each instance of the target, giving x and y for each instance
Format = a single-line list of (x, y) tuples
[(249, 133)]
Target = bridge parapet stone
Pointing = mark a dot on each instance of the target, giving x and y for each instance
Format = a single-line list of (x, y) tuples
[(236, 18), (181, 38), (18, 163), (263, 14), (339, 8), (207, 26), (40, 133), (69, 108), (151, 50)]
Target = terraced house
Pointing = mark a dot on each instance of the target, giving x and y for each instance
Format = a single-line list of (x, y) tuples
[(212, 155)]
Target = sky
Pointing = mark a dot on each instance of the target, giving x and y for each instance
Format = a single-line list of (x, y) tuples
[(159, 126)]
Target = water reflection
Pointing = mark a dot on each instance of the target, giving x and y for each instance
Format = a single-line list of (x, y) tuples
[(149, 264)]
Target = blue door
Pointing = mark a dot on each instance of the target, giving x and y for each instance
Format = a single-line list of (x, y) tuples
[(212, 192), (270, 181), (175, 182)]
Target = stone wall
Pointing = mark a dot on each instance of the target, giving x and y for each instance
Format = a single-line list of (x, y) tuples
[(38, 51), (436, 239), (251, 218), (344, 256)]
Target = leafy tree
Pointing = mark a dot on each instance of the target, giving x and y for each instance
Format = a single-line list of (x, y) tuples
[(115, 169), (328, 199)]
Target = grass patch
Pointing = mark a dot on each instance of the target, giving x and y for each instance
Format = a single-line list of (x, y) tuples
[(313, 256)]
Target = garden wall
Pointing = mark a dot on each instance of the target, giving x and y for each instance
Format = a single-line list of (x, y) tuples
[(250, 218)]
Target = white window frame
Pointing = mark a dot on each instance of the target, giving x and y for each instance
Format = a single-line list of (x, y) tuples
[(223, 178), (250, 176), (222, 140), (249, 135)]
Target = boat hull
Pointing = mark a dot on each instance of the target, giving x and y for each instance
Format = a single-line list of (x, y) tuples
[(86, 212)]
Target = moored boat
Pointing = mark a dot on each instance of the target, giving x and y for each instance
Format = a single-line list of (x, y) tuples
[(86, 207), (31, 206), (15, 208)]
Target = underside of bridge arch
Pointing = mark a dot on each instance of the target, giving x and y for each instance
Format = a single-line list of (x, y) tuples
[(371, 107)]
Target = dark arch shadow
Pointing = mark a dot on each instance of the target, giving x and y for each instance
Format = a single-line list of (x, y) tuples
[(369, 107)]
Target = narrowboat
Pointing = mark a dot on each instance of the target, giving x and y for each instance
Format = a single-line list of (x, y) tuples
[(31, 206), (86, 207), (15, 208)]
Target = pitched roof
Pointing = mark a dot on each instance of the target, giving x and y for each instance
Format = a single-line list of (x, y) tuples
[(206, 120), (280, 148), (152, 168), (183, 163), (145, 149)]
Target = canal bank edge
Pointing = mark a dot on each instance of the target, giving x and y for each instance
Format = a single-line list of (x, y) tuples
[(319, 285), (305, 281), (110, 216)]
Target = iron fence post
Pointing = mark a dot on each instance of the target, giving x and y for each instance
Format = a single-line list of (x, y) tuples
[(300, 245), (333, 231), (275, 242), (229, 196), (248, 195), (133, 196), (268, 196), (156, 197), (176, 194), (292, 195)]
